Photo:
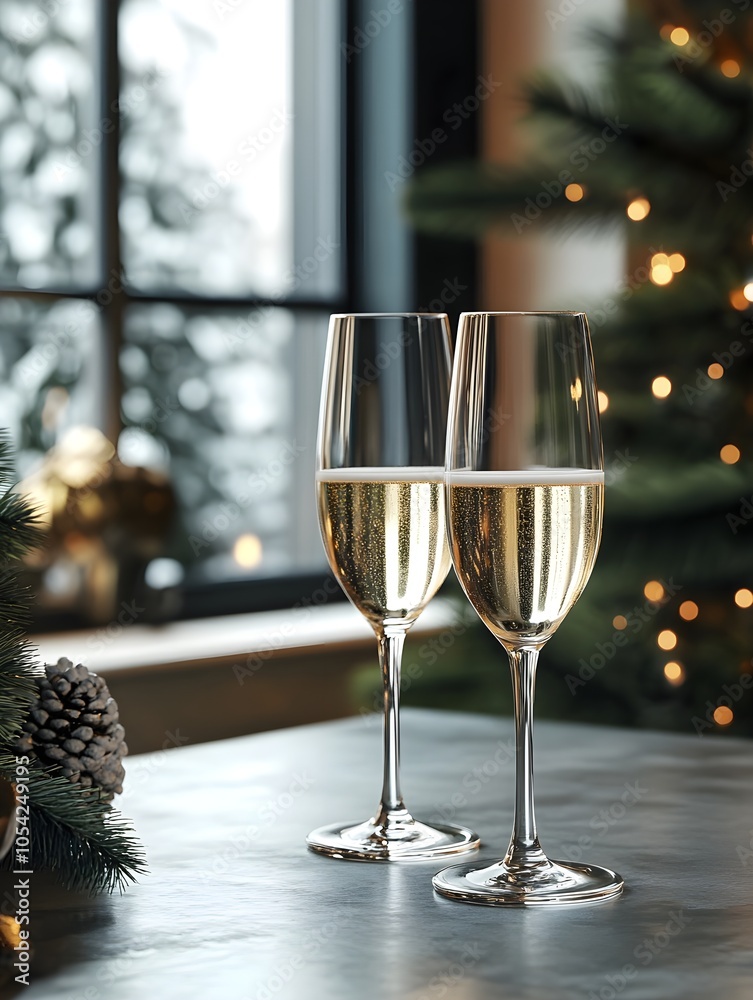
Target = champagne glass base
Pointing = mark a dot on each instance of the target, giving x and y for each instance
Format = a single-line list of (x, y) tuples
[(372, 841), (555, 883)]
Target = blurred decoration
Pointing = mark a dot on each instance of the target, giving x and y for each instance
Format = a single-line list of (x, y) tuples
[(105, 523), (74, 726), (664, 143), (73, 831)]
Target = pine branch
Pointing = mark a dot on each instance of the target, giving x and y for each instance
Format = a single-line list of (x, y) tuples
[(89, 845)]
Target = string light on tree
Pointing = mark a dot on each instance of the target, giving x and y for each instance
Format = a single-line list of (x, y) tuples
[(603, 401), (666, 30), (575, 192), (661, 387), (666, 639), (679, 36), (661, 272), (744, 598), (653, 591), (730, 68), (748, 291), (677, 262), (674, 672), (619, 622), (729, 454), (715, 371), (638, 209), (738, 300), (723, 715), (688, 611)]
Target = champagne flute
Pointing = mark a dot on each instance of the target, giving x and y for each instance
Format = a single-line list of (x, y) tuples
[(525, 484), (380, 492)]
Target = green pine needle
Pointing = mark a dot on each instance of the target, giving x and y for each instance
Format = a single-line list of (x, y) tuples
[(74, 832)]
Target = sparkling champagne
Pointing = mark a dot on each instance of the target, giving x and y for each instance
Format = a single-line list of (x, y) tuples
[(384, 533), (524, 545)]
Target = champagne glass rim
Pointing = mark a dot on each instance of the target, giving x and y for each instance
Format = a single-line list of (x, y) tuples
[(525, 312), (389, 315)]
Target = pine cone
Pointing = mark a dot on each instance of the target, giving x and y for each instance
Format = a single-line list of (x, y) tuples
[(75, 725)]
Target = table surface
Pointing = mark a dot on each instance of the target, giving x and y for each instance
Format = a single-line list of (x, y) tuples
[(235, 907)]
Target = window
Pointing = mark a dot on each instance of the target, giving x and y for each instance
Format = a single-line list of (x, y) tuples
[(172, 241), (187, 189)]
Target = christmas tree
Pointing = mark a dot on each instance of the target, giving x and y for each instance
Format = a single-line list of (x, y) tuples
[(662, 148)]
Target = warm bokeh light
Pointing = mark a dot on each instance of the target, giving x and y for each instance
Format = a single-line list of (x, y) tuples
[(677, 262), (666, 30), (738, 300), (659, 258), (723, 715), (688, 610), (575, 192), (653, 590), (619, 622), (576, 390), (715, 371), (666, 639), (603, 401), (661, 274), (673, 672), (730, 454), (247, 551), (661, 387), (730, 68), (679, 36), (638, 209), (748, 291), (744, 598)]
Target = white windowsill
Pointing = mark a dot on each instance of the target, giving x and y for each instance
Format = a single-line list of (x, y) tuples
[(201, 641)]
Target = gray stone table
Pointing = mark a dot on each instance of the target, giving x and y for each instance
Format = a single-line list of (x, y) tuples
[(235, 907)]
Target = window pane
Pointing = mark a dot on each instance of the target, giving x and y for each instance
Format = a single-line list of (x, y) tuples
[(211, 181), (49, 372), (48, 144), (227, 403)]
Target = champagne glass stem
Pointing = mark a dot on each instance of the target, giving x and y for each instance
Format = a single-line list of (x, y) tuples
[(390, 657), (524, 851)]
